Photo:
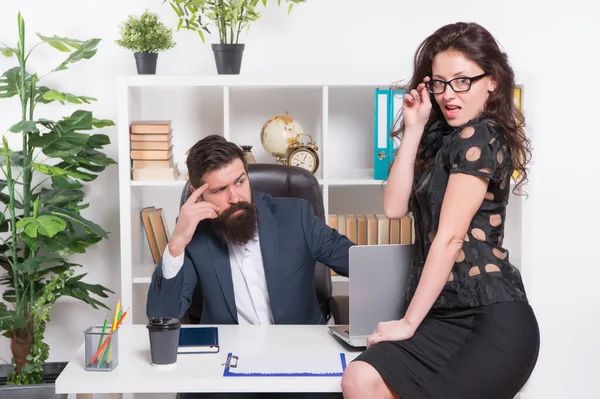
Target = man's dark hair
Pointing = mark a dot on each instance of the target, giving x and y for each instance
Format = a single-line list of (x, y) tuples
[(209, 154)]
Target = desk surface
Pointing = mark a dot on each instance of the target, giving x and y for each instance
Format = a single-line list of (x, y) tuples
[(204, 372)]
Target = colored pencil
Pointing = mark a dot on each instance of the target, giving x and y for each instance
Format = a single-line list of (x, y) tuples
[(103, 332), (104, 352)]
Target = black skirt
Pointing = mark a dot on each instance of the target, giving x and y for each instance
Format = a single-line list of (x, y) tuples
[(485, 352)]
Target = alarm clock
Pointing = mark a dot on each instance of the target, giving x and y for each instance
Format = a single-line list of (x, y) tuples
[(303, 155)]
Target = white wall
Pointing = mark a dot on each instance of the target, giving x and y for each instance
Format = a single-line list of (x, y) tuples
[(561, 263)]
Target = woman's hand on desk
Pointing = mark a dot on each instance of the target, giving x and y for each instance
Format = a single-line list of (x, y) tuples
[(396, 330)]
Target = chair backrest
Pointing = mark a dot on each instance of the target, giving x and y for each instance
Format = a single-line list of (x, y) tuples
[(279, 181)]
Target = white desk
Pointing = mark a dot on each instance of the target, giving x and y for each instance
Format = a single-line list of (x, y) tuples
[(204, 372)]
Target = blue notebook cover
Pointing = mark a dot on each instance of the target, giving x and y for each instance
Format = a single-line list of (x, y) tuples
[(198, 340), (285, 365)]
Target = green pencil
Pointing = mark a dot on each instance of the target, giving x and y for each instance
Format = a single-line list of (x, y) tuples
[(102, 334)]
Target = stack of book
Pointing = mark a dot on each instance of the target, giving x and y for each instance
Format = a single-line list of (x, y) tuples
[(152, 151)]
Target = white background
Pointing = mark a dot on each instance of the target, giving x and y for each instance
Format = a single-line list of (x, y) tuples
[(555, 41)]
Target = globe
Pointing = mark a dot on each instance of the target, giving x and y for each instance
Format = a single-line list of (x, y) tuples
[(278, 133)]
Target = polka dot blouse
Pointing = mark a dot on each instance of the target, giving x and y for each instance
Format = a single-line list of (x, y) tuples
[(482, 273)]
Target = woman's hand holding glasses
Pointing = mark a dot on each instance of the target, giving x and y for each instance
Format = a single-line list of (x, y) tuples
[(416, 107)]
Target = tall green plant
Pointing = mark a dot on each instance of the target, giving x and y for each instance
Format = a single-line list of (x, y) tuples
[(229, 17), (41, 222)]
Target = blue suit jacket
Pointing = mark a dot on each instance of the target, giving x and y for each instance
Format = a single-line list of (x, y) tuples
[(292, 239)]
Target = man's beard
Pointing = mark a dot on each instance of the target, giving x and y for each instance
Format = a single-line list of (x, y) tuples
[(238, 229)]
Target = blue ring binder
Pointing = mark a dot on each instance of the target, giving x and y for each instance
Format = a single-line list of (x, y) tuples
[(232, 360)]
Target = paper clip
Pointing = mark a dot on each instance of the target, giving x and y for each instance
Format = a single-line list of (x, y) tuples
[(230, 363)]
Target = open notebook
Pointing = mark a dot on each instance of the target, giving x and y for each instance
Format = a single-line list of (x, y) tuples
[(285, 364)]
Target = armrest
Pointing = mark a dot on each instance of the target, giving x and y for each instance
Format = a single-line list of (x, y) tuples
[(340, 309)]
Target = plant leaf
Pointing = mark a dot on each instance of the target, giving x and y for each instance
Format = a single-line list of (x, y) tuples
[(8, 51), (61, 268), (77, 289), (100, 123), (4, 225), (25, 127), (98, 140), (61, 43), (75, 218), (61, 244), (61, 198), (86, 51), (79, 120), (53, 95), (5, 199), (9, 295), (63, 169), (9, 83), (65, 130), (66, 183), (10, 319), (32, 265), (93, 157), (46, 225)]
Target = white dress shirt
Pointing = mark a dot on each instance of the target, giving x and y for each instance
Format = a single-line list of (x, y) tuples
[(249, 281)]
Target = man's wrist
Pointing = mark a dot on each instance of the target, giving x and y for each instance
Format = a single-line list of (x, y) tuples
[(176, 247)]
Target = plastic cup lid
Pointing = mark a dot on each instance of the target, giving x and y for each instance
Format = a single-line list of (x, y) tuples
[(163, 323)]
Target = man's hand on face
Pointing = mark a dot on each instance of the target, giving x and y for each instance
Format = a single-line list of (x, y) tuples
[(192, 212)]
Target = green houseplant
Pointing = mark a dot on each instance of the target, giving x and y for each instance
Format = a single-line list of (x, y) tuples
[(146, 36), (41, 192), (229, 17)]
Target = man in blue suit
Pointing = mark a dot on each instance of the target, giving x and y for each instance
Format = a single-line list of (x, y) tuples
[(252, 254)]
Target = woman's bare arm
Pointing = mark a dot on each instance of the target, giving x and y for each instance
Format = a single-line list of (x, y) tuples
[(416, 107), (399, 185), (464, 195)]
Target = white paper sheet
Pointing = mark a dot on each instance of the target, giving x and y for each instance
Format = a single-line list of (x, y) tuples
[(286, 363)]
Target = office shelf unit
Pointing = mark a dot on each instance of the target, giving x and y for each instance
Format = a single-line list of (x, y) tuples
[(337, 111)]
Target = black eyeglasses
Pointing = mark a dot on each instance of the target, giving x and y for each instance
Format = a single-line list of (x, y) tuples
[(457, 84)]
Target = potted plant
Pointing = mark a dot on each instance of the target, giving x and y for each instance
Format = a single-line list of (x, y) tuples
[(146, 36), (229, 18), (41, 192)]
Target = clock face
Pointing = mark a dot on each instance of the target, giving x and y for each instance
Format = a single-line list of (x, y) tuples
[(304, 159)]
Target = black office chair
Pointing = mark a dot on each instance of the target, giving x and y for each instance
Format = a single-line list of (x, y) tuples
[(286, 181)]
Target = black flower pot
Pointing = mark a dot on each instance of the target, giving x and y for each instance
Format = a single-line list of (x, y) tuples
[(44, 390), (228, 58), (146, 63)]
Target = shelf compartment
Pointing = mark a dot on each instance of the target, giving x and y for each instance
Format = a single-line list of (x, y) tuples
[(142, 273), (350, 129), (250, 109), (194, 112), (350, 177), (355, 200), (160, 183)]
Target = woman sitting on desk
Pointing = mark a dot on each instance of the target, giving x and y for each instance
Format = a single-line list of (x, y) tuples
[(469, 332)]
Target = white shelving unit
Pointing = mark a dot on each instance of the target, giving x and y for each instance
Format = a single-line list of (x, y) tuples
[(337, 111)]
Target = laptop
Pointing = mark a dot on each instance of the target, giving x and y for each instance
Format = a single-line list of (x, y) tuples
[(378, 276)]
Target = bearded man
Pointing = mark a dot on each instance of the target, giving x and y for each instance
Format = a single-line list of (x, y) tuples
[(253, 255)]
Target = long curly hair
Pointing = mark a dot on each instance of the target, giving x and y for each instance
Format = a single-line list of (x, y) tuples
[(478, 45)]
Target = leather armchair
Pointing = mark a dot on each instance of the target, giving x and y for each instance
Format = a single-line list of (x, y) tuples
[(286, 181)]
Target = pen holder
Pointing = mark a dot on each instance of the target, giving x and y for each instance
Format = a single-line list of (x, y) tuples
[(101, 349)]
